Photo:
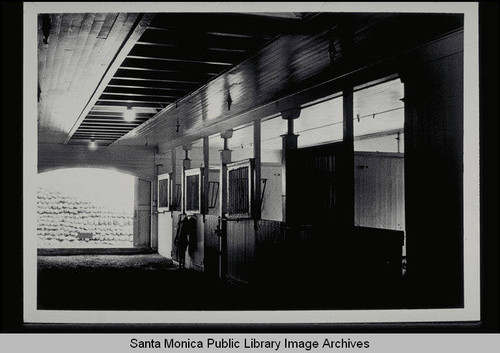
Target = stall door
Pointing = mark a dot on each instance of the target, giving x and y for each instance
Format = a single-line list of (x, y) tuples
[(312, 176), (142, 213), (211, 246)]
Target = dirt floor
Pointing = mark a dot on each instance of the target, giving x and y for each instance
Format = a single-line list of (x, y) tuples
[(121, 282), (152, 282)]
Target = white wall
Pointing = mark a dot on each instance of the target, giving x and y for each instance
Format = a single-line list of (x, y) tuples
[(271, 205)]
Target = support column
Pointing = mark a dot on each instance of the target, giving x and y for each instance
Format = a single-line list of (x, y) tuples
[(347, 167), (257, 157), (289, 141), (186, 164), (205, 187), (173, 176), (225, 159)]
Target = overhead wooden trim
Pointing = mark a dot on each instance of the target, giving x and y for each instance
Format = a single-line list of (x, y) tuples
[(133, 101), (156, 80), (143, 22), (127, 94), (183, 60), (224, 34), (149, 88)]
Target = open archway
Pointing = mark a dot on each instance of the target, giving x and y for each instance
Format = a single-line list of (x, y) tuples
[(85, 208)]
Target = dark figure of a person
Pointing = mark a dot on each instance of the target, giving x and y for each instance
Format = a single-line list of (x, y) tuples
[(181, 242)]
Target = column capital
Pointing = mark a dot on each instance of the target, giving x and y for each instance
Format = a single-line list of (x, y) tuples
[(227, 134), (187, 147), (291, 114)]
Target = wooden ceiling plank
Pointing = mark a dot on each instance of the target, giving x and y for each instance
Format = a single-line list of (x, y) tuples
[(128, 102), (103, 108), (63, 35), (116, 114), (189, 78), (122, 88), (130, 94), (69, 48), (81, 41), (107, 25), (94, 123), (99, 133), (118, 34), (179, 38), (99, 60), (225, 63), (109, 105), (56, 20), (122, 53), (104, 129), (90, 46), (110, 122), (153, 84), (42, 53), (187, 55), (214, 33)]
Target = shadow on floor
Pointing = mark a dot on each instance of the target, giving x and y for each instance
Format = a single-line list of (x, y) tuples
[(152, 282)]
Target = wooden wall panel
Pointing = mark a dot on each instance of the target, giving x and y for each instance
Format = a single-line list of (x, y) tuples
[(165, 231), (379, 190), (434, 122), (211, 246), (240, 250)]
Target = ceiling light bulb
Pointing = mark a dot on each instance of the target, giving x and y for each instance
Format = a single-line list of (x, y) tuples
[(129, 115), (92, 145)]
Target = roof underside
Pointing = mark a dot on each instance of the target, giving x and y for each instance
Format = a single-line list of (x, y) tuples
[(95, 67)]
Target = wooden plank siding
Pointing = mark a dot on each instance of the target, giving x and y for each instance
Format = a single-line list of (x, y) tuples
[(240, 250), (211, 246), (251, 252), (81, 47), (379, 190)]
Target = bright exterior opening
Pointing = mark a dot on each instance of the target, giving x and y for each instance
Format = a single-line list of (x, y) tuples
[(85, 208)]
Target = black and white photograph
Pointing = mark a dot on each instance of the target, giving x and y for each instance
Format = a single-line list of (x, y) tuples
[(251, 163)]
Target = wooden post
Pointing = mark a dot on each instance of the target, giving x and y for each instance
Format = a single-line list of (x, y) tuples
[(347, 169), (186, 164), (206, 165), (173, 177), (225, 158), (290, 142), (257, 157)]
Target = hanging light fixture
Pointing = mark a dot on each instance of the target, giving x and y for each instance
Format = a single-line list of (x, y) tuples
[(92, 145), (129, 114)]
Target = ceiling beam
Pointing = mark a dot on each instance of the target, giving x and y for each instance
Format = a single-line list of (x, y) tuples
[(104, 124), (113, 109), (144, 88), (134, 78), (194, 54), (130, 94), (186, 77), (143, 21), (219, 33), (136, 104), (209, 61), (131, 102)]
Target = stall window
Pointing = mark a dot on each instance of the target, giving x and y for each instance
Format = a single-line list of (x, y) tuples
[(192, 199), (240, 188), (163, 192)]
